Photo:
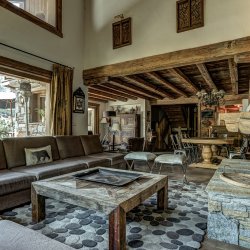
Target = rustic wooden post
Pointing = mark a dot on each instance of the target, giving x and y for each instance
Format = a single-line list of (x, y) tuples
[(162, 198), (117, 229), (38, 206)]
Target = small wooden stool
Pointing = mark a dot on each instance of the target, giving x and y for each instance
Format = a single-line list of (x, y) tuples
[(174, 160)]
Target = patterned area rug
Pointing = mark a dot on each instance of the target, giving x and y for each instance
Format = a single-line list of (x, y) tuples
[(181, 227)]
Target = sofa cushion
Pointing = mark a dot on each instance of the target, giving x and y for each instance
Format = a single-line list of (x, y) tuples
[(35, 156), (60, 167), (2, 157), (69, 146), (92, 162), (91, 144), (14, 148), (14, 236), (11, 182), (55, 168), (114, 158)]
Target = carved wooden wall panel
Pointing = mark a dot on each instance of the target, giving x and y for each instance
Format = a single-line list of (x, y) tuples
[(190, 14), (122, 33)]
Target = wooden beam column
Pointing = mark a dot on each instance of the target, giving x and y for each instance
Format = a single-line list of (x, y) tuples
[(233, 75)]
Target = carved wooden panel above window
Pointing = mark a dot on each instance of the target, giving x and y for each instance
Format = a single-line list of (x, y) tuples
[(190, 14), (122, 33)]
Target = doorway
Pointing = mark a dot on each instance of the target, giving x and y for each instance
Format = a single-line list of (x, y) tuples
[(93, 118), (173, 119)]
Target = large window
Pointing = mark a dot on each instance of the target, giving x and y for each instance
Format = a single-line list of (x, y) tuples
[(45, 13), (22, 113)]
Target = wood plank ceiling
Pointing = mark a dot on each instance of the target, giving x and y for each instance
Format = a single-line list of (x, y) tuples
[(231, 74)]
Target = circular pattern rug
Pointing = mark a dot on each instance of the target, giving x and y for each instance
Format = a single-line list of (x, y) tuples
[(181, 227)]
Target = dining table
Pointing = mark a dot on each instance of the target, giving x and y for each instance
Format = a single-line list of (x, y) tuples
[(209, 149)]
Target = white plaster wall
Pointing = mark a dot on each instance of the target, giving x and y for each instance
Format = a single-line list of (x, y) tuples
[(154, 28), (19, 32)]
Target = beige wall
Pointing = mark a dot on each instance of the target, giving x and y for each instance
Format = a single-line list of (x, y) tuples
[(20, 33), (154, 28)]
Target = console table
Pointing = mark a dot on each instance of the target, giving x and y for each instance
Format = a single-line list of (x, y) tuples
[(209, 149)]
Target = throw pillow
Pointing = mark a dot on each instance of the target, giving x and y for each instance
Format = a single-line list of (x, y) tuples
[(36, 156)]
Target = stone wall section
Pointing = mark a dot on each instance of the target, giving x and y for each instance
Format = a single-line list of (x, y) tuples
[(229, 219)]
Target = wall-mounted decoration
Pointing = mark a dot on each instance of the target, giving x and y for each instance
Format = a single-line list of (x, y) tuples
[(78, 101), (190, 14), (122, 33)]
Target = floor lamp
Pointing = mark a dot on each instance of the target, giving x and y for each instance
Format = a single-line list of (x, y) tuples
[(105, 122), (115, 128)]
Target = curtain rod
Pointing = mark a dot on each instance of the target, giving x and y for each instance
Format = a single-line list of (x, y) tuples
[(28, 53)]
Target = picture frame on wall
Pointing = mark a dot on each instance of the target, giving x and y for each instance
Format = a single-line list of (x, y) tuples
[(78, 101), (122, 33)]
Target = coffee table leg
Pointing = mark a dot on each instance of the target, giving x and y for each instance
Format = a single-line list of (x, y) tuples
[(117, 229), (38, 206), (162, 198)]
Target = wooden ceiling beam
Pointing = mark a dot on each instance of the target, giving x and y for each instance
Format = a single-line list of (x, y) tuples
[(122, 90), (242, 58), (154, 76), (207, 53), (195, 100), (206, 76), (183, 78), (108, 90), (101, 97), (93, 99), (108, 95), (97, 80), (148, 86), (233, 75), (135, 89)]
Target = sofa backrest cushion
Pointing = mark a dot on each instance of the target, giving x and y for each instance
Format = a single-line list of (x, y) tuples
[(2, 157), (69, 146), (14, 148), (91, 144)]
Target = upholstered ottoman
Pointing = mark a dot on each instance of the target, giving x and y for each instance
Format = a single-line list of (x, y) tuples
[(139, 156), (174, 160), (16, 237)]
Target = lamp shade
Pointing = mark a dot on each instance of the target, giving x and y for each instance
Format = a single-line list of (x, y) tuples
[(116, 127), (109, 113), (104, 120)]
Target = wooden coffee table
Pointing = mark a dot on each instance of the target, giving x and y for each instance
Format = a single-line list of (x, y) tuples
[(111, 200)]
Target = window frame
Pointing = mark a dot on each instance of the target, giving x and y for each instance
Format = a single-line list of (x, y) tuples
[(23, 13)]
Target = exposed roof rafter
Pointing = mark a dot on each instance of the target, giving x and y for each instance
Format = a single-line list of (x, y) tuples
[(146, 85), (206, 76), (233, 75), (154, 76)]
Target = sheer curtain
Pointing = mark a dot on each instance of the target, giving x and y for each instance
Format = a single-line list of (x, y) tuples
[(61, 100)]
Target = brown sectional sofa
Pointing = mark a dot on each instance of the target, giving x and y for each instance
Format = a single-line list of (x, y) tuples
[(69, 153)]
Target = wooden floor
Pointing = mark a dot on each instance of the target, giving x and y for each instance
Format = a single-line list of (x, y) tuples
[(197, 175)]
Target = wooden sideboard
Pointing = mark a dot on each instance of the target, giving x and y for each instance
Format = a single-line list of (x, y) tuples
[(130, 126)]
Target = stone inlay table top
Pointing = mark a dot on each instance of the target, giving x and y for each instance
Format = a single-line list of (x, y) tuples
[(112, 200), (229, 206), (216, 185), (209, 149)]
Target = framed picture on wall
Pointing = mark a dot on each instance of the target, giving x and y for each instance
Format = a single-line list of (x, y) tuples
[(78, 101)]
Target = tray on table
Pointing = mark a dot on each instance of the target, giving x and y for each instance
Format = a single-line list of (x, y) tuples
[(107, 176)]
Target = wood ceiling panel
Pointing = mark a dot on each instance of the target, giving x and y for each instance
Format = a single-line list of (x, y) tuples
[(244, 77)]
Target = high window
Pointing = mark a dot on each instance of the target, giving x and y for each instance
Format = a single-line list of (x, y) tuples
[(45, 13)]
